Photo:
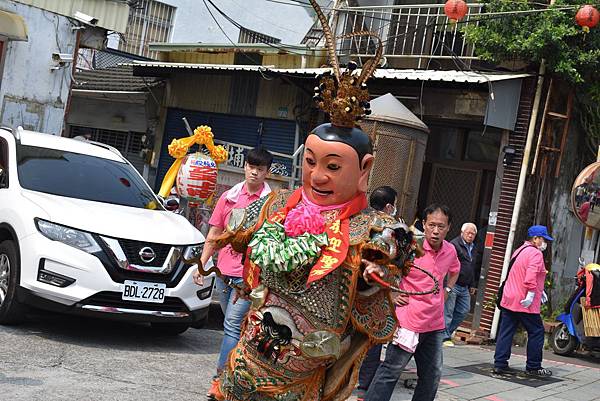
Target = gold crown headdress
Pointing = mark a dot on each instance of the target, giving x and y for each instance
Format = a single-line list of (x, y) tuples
[(344, 95)]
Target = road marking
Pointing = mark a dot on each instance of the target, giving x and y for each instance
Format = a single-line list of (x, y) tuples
[(449, 383)]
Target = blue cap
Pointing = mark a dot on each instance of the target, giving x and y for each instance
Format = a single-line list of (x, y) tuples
[(539, 231)]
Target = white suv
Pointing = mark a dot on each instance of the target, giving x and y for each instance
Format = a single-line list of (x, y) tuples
[(82, 232)]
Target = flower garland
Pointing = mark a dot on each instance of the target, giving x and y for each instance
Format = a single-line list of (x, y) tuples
[(274, 250), (179, 148)]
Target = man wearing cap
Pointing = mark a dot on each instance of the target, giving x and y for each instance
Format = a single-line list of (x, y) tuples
[(521, 302)]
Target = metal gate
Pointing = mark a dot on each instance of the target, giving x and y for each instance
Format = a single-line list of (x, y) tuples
[(458, 188), (399, 154)]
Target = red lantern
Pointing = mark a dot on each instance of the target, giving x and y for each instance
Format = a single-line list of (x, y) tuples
[(455, 9), (197, 178), (587, 17)]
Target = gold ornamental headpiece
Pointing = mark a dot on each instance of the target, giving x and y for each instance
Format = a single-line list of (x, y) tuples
[(344, 95)]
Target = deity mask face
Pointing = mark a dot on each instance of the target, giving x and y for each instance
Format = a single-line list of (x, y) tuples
[(331, 172)]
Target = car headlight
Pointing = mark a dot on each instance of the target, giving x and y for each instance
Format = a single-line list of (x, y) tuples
[(193, 251), (69, 236)]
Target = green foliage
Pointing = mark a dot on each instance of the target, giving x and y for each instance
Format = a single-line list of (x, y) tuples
[(551, 35)]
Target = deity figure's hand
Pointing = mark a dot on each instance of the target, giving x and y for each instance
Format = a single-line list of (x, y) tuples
[(370, 268)]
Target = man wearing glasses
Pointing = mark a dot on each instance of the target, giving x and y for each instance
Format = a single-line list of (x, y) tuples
[(421, 322)]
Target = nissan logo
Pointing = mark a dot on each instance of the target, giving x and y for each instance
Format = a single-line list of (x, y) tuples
[(147, 254)]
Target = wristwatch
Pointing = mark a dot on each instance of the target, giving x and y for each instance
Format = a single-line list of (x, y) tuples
[(448, 289)]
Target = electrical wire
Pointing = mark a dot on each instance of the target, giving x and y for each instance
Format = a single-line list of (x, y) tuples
[(240, 26), (217, 22), (298, 4), (252, 61), (264, 19)]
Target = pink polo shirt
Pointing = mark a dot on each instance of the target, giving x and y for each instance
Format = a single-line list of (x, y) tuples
[(230, 262), (527, 274), (425, 313)]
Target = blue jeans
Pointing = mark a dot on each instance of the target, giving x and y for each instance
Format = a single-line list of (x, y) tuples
[(369, 367), (429, 359), (234, 313), (456, 308), (509, 321)]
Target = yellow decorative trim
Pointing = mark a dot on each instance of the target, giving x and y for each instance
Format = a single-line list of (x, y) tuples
[(178, 149)]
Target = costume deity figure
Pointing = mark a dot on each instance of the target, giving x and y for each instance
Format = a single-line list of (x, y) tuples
[(314, 313), (312, 256)]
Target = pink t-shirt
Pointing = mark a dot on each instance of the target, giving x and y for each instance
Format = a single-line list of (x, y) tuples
[(527, 274), (230, 262), (425, 313)]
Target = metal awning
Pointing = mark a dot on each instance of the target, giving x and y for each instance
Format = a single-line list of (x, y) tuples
[(12, 26), (473, 77)]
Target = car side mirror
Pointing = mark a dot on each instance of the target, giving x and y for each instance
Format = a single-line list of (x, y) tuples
[(3, 178), (171, 204)]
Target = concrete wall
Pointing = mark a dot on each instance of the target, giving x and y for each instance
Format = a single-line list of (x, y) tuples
[(115, 115), (31, 95), (193, 23), (566, 228)]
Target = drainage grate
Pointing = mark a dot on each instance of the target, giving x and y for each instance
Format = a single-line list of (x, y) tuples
[(518, 377)]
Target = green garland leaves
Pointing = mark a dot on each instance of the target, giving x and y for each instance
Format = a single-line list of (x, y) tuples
[(552, 35), (273, 250)]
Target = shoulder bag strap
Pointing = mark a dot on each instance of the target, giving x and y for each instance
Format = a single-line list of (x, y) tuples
[(513, 260)]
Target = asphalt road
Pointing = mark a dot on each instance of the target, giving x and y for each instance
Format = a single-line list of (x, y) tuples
[(57, 357)]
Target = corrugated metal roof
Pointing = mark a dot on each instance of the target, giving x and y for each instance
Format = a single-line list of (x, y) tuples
[(119, 78), (279, 48), (111, 14), (405, 74)]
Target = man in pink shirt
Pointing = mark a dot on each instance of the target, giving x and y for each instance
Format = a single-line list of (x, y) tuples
[(254, 187), (521, 301), (422, 319)]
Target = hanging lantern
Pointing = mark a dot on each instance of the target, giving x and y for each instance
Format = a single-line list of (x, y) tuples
[(587, 17), (455, 10), (197, 178)]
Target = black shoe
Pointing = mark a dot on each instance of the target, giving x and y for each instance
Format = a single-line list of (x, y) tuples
[(541, 372), (502, 371)]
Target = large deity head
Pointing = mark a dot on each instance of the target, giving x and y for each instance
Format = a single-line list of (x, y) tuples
[(338, 155), (337, 163)]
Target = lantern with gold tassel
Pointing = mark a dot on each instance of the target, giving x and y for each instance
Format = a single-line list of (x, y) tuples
[(195, 174)]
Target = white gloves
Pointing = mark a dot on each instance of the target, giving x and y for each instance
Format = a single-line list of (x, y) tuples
[(544, 297), (526, 303)]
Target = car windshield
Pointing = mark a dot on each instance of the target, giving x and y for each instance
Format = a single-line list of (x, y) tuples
[(80, 176)]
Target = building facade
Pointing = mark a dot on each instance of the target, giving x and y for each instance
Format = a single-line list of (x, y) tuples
[(36, 67)]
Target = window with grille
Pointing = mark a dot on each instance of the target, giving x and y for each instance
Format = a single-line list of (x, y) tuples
[(250, 36), (128, 143), (149, 21)]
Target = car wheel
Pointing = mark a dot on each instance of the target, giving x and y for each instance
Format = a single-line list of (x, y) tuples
[(562, 342), (169, 329), (11, 311), (200, 324)]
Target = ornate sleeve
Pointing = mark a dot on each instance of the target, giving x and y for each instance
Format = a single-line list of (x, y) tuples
[(242, 224), (391, 245)]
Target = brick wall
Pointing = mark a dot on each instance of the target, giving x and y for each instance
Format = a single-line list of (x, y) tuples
[(510, 181)]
